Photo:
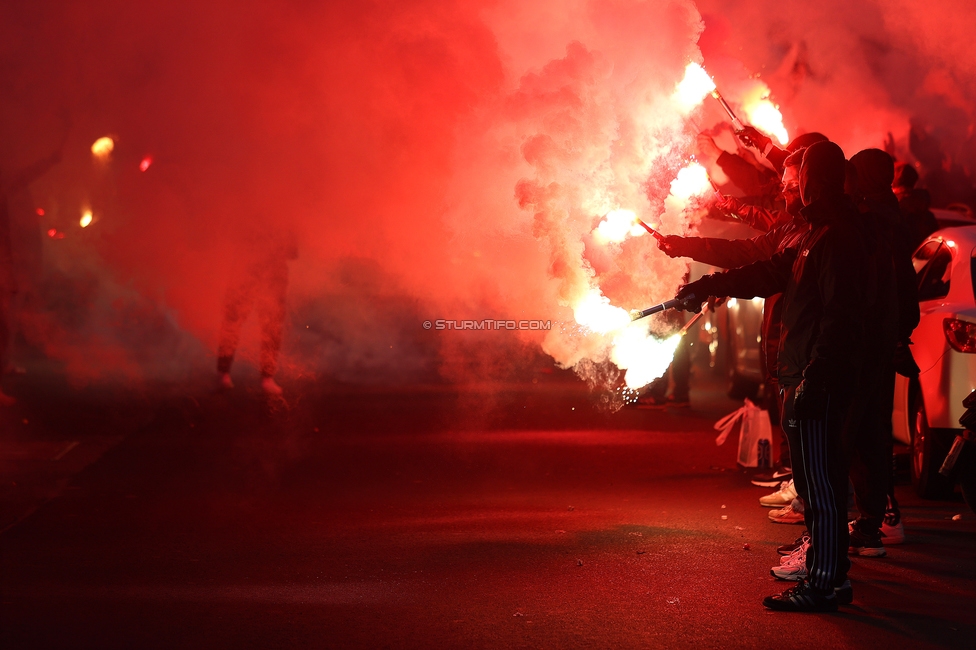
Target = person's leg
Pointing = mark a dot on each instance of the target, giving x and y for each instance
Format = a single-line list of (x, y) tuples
[(871, 471), (237, 307), (271, 312), (823, 459), (272, 316), (791, 429)]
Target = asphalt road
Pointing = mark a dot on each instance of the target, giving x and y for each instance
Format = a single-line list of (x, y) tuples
[(503, 516)]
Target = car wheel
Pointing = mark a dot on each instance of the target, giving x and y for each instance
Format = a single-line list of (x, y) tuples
[(928, 452)]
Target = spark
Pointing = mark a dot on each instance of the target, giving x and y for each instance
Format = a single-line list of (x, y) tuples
[(102, 148), (86, 219), (145, 163)]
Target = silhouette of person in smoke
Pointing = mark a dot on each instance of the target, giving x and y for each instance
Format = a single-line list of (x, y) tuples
[(914, 203), (11, 184), (263, 285)]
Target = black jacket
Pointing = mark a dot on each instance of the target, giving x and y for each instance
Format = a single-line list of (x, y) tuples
[(733, 253), (822, 281)]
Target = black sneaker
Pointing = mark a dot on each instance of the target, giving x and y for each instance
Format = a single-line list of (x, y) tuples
[(773, 478), (804, 597), (787, 549), (866, 543)]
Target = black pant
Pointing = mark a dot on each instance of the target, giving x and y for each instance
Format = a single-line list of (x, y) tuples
[(820, 478), (773, 402), (870, 443)]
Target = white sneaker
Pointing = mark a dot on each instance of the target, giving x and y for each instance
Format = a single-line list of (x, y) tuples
[(892, 530), (798, 555), (269, 386), (781, 497), (786, 515), (793, 571), (225, 381)]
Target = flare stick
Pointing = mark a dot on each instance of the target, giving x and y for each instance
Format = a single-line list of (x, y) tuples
[(667, 304), (737, 124), (658, 236)]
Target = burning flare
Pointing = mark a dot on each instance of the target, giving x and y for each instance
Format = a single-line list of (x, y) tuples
[(595, 313), (644, 357), (764, 114), (693, 88), (617, 226), (86, 219), (691, 181)]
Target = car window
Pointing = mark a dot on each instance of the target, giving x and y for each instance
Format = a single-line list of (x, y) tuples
[(924, 254), (933, 263)]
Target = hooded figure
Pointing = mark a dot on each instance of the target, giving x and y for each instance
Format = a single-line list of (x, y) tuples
[(893, 306), (823, 283), (914, 204)]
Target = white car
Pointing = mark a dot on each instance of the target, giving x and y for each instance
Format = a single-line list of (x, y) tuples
[(927, 410)]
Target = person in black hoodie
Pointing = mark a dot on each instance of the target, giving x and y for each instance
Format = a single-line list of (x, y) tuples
[(822, 281), (894, 315)]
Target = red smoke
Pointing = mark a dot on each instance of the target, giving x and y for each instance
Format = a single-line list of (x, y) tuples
[(434, 159)]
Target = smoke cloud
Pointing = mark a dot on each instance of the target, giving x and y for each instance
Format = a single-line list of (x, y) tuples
[(432, 159)]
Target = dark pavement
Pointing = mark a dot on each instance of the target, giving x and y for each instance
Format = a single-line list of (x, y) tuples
[(499, 516)]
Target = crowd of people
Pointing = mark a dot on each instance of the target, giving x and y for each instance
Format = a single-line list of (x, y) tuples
[(835, 244)]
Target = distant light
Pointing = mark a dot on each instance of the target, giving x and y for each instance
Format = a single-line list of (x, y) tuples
[(86, 219), (146, 162), (103, 147), (40, 212)]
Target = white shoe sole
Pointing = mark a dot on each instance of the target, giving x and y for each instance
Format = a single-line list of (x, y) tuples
[(864, 551)]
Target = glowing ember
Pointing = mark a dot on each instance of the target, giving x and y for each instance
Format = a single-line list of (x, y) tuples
[(40, 212), (52, 233), (145, 163), (86, 218), (595, 313), (103, 147), (691, 181), (618, 225), (644, 357), (764, 114), (694, 88)]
